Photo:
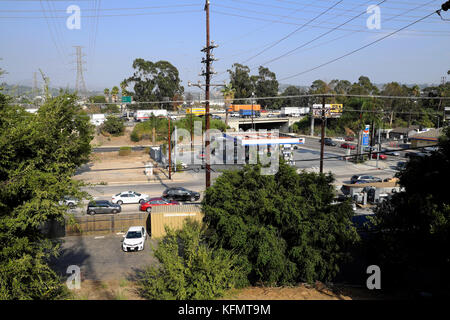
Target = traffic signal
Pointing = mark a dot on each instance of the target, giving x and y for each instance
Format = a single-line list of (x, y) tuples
[(446, 6)]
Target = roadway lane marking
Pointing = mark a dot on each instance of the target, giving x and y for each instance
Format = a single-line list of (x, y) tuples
[(100, 237)]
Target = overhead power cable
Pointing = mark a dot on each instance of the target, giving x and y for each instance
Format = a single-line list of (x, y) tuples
[(358, 49)]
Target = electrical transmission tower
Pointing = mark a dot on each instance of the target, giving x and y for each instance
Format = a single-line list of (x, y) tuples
[(80, 85)]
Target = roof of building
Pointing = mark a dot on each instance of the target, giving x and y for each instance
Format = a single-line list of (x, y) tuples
[(432, 134), (405, 130)]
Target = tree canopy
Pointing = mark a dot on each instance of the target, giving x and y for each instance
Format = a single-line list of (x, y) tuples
[(154, 81), (284, 226), (40, 153)]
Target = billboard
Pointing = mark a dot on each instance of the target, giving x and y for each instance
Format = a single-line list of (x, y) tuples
[(333, 110)]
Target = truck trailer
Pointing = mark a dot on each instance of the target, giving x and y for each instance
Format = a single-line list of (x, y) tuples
[(237, 107), (294, 111), (142, 115)]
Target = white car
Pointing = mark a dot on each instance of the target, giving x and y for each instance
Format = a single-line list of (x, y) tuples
[(129, 197), (134, 239)]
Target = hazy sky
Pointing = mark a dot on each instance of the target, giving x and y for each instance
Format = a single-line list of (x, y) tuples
[(34, 35)]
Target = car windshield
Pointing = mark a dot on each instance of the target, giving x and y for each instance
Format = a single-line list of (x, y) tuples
[(118, 194), (138, 194), (133, 235)]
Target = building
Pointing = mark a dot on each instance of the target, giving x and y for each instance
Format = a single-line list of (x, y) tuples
[(425, 139)]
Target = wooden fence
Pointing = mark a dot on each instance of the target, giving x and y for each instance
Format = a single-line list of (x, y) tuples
[(155, 222), (106, 223)]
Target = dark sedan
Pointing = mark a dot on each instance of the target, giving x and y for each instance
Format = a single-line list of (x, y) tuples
[(103, 206), (181, 194)]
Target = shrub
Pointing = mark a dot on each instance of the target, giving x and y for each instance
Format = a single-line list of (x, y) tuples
[(113, 126), (124, 151), (189, 269), (283, 226), (134, 136)]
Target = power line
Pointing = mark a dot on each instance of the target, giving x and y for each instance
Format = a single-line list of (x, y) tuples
[(293, 32), (359, 49)]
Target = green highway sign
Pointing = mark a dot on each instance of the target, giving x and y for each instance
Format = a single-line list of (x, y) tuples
[(126, 99)]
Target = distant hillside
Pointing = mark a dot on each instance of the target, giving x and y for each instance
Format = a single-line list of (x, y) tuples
[(23, 90)]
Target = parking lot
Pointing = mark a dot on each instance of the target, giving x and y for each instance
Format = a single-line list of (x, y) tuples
[(102, 258)]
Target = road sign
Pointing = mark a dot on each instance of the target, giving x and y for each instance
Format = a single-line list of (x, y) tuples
[(126, 99)]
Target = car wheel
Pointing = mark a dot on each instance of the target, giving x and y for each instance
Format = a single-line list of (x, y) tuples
[(149, 209), (114, 211), (92, 212), (141, 201), (120, 202), (71, 205), (192, 199)]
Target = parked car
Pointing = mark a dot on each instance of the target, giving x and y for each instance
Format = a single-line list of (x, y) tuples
[(381, 156), (153, 202), (349, 138), (181, 194), (102, 206), (214, 116), (390, 152), (328, 142), (69, 201), (129, 197), (401, 165), (348, 146), (413, 155), (134, 239), (356, 178)]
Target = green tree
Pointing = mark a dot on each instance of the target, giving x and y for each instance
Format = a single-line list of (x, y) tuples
[(412, 229), (97, 99), (240, 80), (40, 153), (114, 93), (266, 86), (189, 269), (113, 125), (154, 81), (106, 93), (283, 226)]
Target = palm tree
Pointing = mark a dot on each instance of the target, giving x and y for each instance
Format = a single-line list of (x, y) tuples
[(228, 94), (106, 93), (114, 93)]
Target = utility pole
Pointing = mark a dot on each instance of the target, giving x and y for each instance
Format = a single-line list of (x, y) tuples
[(322, 138), (170, 152), (208, 78), (312, 121), (253, 126), (207, 75)]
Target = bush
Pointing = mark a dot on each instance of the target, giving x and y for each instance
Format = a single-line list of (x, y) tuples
[(124, 151), (134, 136), (189, 269), (284, 225), (113, 126)]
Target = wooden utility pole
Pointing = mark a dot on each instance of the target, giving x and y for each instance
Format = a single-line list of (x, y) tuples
[(208, 78), (322, 138), (170, 152), (253, 126)]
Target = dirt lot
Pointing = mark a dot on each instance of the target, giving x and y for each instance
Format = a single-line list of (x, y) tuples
[(110, 141), (101, 167), (124, 289)]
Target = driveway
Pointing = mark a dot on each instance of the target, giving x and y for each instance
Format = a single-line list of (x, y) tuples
[(102, 258)]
